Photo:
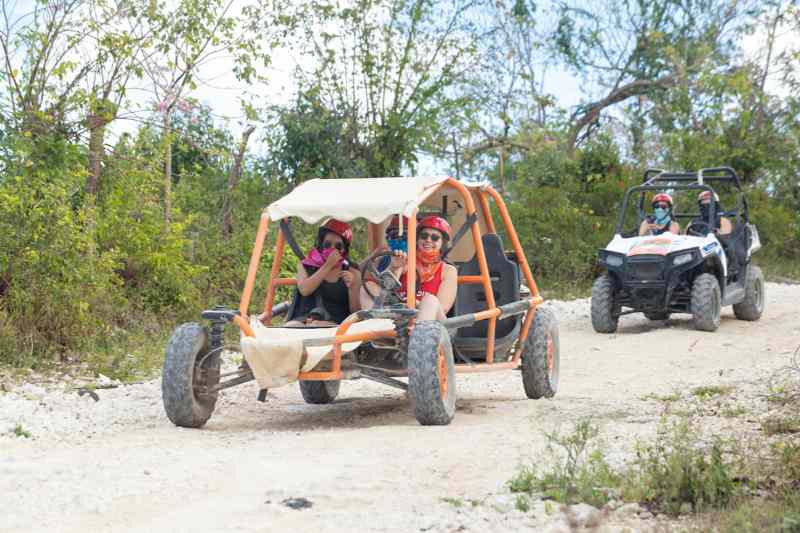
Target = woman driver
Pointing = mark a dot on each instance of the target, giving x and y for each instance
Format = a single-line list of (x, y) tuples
[(436, 280)]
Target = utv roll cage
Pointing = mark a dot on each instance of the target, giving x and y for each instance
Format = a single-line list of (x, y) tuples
[(701, 180)]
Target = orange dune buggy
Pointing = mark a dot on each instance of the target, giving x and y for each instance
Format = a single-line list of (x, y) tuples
[(496, 324)]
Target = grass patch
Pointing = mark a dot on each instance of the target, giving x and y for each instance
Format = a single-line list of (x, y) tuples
[(664, 398), (522, 503), (710, 391), (732, 410), (675, 473), (579, 471), (129, 355), (455, 502), (781, 424), (19, 431)]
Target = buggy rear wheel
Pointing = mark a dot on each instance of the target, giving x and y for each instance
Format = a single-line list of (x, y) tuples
[(604, 305), (319, 392), (431, 374), (541, 357), (188, 374), (753, 304)]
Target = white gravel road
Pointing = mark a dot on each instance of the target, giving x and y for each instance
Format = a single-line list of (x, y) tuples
[(363, 463)]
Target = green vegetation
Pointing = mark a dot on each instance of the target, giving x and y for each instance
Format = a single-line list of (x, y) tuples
[(710, 391), (19, 431), (111, 235)]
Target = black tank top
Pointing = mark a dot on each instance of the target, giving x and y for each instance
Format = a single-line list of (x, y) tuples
[(333, 296)]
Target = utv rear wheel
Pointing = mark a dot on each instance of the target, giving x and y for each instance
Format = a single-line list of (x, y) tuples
[(188, 375), (657, 315), (431, 374), (753, 304), (541, 356), (319, 392), (604, 307), (706, 302)]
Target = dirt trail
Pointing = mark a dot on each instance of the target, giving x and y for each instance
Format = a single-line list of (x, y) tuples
[(118, 464)]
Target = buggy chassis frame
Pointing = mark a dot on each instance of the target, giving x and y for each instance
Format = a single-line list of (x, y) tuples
[(492, 313)]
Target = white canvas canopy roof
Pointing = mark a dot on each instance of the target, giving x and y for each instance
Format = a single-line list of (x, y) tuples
[(374, 199)]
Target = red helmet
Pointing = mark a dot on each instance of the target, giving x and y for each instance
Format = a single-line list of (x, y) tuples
[(706, 196), (662, 197), (395, 222), (438, 223), (342, 229)]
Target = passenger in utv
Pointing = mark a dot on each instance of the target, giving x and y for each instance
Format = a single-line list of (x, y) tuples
[(721, 226), (327, 288), (661, 221), (436, 280)]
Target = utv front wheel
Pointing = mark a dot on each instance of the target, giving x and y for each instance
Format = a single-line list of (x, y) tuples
[(188, 376), (431, 374), (541, 356), (753, 304), (706, 302), (319, 392), (604, 308)]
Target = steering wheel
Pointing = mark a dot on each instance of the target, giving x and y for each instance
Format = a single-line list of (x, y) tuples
[(699, 229), (387, 281)]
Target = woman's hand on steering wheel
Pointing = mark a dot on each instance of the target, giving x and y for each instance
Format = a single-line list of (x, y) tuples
[(369, 267), (699, 229)]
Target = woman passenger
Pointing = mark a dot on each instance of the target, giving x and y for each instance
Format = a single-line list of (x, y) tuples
[(327, 288)]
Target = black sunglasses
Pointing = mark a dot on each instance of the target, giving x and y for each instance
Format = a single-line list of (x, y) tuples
[(328, 244), (424, 236), (662, 206)]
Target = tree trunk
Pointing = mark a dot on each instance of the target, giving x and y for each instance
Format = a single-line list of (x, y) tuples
[(233, 179), (168, 169), (97, 131), (502, 171)]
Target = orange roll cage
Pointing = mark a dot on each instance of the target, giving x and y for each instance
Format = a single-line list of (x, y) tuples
[(491, 313)]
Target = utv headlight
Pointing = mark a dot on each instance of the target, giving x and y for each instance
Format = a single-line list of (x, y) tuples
[(682, 259), (613, 260)]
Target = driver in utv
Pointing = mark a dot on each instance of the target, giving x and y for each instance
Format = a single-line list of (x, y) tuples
[(436, 280), (661, 220), (722, 226), (327, 288)]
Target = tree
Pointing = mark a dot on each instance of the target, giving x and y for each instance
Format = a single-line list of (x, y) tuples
[(385, 67), (630, 48)]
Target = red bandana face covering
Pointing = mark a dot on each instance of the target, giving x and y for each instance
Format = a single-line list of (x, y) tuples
[(429, 263)]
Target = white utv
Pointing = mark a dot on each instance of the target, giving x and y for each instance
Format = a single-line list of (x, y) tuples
[(697, 272)]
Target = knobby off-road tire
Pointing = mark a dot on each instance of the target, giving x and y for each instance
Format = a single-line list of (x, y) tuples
[(753, 304), (319, 392), (541, 356), (431, 374), (181, 375), (657, 315), (706, 302), (604, 305)]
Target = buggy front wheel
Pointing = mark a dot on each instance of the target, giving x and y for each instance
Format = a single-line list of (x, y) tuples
[(431, 374), (190, 372)]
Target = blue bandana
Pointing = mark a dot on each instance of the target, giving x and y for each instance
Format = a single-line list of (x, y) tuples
[(661, 216)]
